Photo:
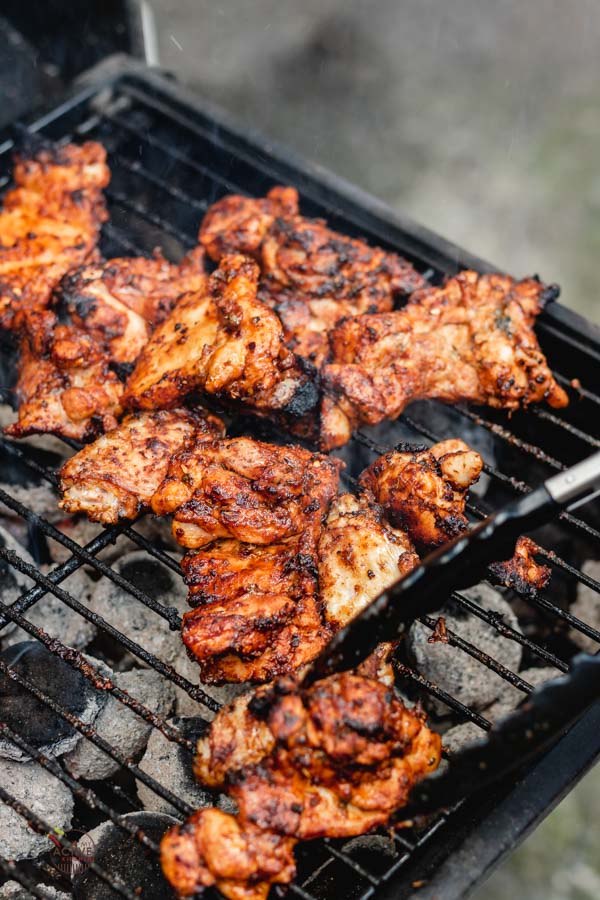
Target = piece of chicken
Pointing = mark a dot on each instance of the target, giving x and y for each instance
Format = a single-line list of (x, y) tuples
[(360, 556), (65, 385), (246, 489), (521, 572), (120, 302), (471, 339), (424, 491), (226, 343), (115, 477), (257, 613), (50, 222), (343, 757), (311, 275)]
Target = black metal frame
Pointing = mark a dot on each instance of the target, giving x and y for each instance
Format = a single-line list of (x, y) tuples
[(478, 832)]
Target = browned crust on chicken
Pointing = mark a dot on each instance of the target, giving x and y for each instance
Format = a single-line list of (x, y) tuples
[(237, 224), (345, 755), (115, 477), (471, 339), (226, 343), (424, 491), (246, 489), (49, 223), (65, 385), (522, 573)]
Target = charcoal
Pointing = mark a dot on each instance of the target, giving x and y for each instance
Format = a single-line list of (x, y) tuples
[(12, 890), (120, 726), (40, 792), (186, 705), (121, 855), (35, 722), (171, 765), (453, 670), (12, 582), (513, 697), (82, 531), (59, 620), (587, 608)]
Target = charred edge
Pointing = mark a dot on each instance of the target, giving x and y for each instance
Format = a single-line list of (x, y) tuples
[(305, 398)]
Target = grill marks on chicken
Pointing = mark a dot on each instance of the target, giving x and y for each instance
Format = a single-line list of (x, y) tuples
[(344, 756), (226, 343), (471, 339), (68, 370), (49, 223), (311, 275), (116, 476), (246, 489)]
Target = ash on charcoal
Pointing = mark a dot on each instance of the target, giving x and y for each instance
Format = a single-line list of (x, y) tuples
[(12, 582), (453, 670), (82, 531), (171, 765), (120, 726), (32, 719), (12, 890), (59, 620), (513, 697), (587, 608), (186, 705), (132, 617), (41, 792), (120, 854)]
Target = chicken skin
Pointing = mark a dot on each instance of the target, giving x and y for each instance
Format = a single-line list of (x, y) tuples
[(115, 477), (312, 276), (521, 572), (49, 223), (65, 385), (424, 491), (471, 339), (120, 302), (342, 758), (246, 489), (226, 343)]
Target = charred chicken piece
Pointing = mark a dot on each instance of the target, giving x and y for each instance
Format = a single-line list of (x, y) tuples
[(360, 555), (49, 223), (226, 343), (115, 477), (522, 573), (246, 489), (119, 302), (471, 339), (257, 612), (65, 385), (312, 276), (345, 754), (424, 491)]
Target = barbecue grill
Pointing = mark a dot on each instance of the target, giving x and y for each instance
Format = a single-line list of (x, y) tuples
[(171, 156)]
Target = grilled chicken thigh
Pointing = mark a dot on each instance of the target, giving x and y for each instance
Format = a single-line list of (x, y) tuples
[(312, 276), (338, 760), (49, 223), (223, 342), (471, 339), (116, 476), (246, 489)]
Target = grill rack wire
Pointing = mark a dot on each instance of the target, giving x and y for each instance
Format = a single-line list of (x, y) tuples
[(144, 136)]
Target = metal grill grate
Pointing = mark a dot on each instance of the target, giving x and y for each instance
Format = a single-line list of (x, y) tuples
[(168, 163)]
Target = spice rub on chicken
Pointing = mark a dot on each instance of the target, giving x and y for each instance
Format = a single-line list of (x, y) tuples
[(471, 339), (223, 342), (247, 489), (70, 363), (115, 477), (337, 760), (49, 223), (311, 275)]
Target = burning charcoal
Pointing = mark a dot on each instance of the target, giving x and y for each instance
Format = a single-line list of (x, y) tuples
[(28, 716), (453, 670), (186, 705), (12, 582), (462, 736), (132, 617), (587, 608), (59, 620), (12, 890), (120, 726), (171, 765), (513, 697), (41, 792), (121, 855)]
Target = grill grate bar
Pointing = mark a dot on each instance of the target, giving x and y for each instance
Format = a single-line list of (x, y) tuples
[(547, 416), (579, 389), (124, 201), (339, 854), (86, 795), (9, 868), (42, 827), (89, 732), (464, 711)]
